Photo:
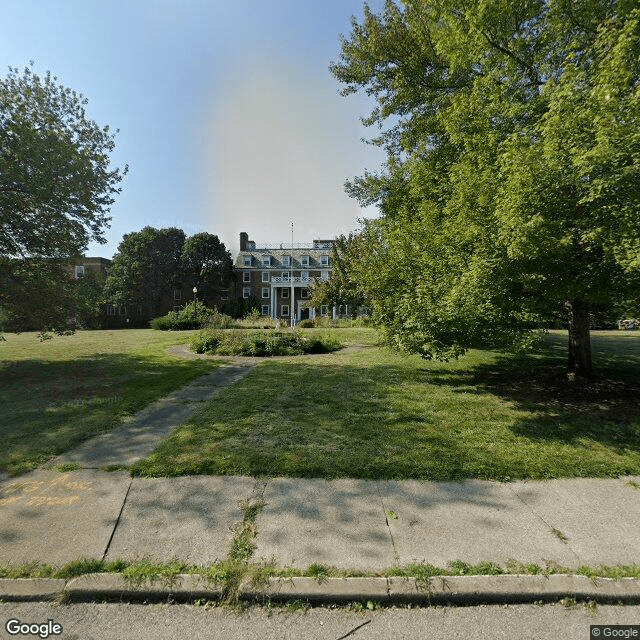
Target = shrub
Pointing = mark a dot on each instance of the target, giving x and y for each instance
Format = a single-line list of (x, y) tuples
[(193, 316), (206, 341), (320, 344), (260, 344), (306, 324), (219, 320)]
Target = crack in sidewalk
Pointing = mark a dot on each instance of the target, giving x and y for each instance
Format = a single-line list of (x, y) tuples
[(126, 495)]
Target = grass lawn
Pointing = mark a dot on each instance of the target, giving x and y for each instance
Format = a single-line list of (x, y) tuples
[(371, 413), (57, 393)]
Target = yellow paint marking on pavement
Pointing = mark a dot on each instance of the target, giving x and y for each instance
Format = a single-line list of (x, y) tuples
[(38, 493)]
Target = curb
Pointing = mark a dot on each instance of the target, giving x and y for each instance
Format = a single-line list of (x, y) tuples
[(436, 590)]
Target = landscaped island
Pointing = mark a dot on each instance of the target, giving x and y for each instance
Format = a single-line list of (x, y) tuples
[(261, 343)]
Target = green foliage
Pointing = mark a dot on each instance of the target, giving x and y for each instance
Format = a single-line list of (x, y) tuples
[(306, 324), (217, 320), (241, 307), (341, 288), (45, 296), (147, 261), (207, 264), (56, 187), (261, 344), (194, 315), (510, 191)]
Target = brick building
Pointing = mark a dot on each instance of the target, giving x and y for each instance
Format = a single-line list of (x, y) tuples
[(279, 276)]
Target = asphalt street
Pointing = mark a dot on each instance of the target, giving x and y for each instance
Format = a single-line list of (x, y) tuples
[(178, 622)]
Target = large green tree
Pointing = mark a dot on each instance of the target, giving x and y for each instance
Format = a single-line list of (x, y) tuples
[(56, 187), (146, 264), (207, 264), (512, 185)]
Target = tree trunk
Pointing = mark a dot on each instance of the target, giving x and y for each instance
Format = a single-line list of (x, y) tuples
[(579, 338)]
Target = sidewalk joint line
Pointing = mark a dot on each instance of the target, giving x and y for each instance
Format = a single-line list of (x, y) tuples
[(551, 529)]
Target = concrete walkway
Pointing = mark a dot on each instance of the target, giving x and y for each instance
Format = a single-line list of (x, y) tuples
[(139, 437), (54, 518)]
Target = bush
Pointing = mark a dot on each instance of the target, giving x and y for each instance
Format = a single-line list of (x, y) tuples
[(219, 320), (206, 341), (260, 343), (306, 324), (193, 316)]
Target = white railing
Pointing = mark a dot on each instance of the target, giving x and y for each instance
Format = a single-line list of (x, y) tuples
[(294, 280), (285, 246)]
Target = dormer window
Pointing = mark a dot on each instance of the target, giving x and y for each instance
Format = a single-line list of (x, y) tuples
[(80, 271), (247, 261), (266, 261), (304, 261), (286, 261), (324, 261)]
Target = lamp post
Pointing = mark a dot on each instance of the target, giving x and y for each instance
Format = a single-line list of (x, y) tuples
[(195, 291)]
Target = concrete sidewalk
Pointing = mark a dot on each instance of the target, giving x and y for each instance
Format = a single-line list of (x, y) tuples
[(54, 518)]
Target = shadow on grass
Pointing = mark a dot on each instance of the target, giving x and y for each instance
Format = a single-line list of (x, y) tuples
[(569, 410), (51, 406), (501, 418)]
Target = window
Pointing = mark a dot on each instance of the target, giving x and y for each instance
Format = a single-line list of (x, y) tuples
[(284, 310), (247, 261), (285, 274), (266, 261), (324, 261), (177, 294), (304, 294), (265, 276), (246, 292), (265, 309), (304, 274), (323, 310), (224, 296), (324, 275), (80, 271), (286, 261), (246, 276), (285, 293), (265, 292), (304, 261)]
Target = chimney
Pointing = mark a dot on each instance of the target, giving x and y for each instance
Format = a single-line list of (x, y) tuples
[(244, 238)]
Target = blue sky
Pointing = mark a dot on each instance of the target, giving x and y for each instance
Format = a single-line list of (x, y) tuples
[(228, 116)]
